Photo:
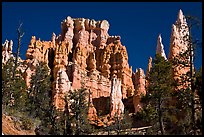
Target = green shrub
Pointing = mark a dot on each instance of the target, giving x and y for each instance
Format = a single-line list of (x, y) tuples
[(27, 124)]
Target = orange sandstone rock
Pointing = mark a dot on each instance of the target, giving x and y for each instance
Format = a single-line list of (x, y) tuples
[(139, 88), (84, 55), (179, 45)]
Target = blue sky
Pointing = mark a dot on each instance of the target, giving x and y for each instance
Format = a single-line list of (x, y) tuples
[(138, 23)]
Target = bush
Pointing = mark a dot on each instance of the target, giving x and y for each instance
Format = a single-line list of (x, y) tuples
[(27, 124)]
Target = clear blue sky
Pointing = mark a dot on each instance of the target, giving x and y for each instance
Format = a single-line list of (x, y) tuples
[(138, 23)]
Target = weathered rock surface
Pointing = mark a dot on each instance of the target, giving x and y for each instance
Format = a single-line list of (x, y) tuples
[(7, 51), (139, 82), (160, 47), (179, 35), (85, 55), (62, 86), (179, 45), (116, 104), (149, 66)]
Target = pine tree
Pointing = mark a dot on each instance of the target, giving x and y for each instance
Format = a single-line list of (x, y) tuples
[(198, 100), (7, 82), (40, 91), (40, 98), (17, 54), (198, 83), (57, 122), (120, 124), (13, 85), (79, 112), (158, 95), (185, 97), (14, 95), (67, 118)]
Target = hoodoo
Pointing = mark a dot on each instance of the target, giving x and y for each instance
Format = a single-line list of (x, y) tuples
[(85, 55)]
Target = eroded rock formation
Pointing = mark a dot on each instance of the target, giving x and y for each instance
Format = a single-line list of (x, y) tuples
[(7, 51), (178, 45), (149, 66), (85, 55), (116, 104), (179, 36), (62, 86), (160, 47), (139, 83)]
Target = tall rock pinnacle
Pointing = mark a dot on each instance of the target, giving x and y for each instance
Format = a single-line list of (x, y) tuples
[(179, 44), (180, 19), (160, 47), (149, 66), (7, 51), (139, 84), (179, 36)]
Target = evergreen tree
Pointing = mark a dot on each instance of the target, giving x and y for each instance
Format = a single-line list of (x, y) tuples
[(156, 101), (58, 122), (40, 97), (14, 95), (67, 117), (198, 84), (17, 54), (188, 102), (61, 120), (120, 124), (40, 91), (79, 112), (185, 97), (198, 100)]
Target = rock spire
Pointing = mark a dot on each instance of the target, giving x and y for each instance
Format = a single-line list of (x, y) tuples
[(160, 47)]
